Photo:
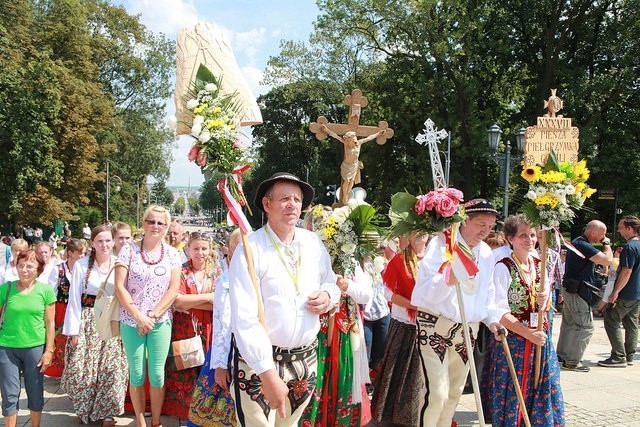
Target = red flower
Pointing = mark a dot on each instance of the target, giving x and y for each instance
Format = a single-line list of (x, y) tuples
[(193, 153)]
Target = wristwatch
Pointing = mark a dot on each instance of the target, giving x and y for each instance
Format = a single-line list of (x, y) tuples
[(606, 242), (151, 314)]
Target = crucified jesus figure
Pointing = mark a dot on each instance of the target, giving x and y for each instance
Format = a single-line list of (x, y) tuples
[(351, 165)]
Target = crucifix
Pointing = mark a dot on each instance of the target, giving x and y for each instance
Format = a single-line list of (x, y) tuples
[(351, 165)]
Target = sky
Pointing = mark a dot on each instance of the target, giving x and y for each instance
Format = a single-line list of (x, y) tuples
[(254, 28)]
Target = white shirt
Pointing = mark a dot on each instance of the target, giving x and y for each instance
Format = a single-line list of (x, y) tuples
[(398, 312), (51, 267), (360, 289), (74, 309), (502, 252), (54, 276), (221, 343), (502, 280), (431, 291), (289, 323)]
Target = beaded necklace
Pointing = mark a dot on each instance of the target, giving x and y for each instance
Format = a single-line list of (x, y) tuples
[(144, 257)]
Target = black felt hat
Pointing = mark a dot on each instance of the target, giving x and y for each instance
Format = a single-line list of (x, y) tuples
[(480, 206), (307, 190)]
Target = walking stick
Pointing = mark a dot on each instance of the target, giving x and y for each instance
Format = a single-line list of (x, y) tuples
[(544, 248), (252, 274), (514, 376), (467, 343)]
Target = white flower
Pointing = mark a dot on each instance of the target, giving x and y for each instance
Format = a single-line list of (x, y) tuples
[(205, 136), (348, 248), (540, 191), (210, 87), (340, 214), (531, 195), (198, 120), (378, 264), (191, 104), (172, 122), (196, 129), (570, 189)]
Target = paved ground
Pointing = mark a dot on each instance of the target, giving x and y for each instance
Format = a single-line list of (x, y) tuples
[(602, 397)]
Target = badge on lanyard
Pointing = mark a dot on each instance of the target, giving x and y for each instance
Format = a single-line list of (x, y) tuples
[(533, 320)]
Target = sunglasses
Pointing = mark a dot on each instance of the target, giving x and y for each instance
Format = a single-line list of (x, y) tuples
[(158, 223), (199, 236)]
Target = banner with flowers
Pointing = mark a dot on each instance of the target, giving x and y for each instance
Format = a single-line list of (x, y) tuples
[(555, 191)]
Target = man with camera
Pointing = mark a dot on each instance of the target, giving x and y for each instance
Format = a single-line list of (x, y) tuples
[(577, 320)]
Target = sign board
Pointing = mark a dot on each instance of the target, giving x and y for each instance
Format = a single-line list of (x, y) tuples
[(551, 133), (607, 194)]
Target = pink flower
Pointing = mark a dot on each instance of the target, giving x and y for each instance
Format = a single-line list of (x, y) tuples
[(202, 159), (446, 207), (193, 153), (237, 143), (455, 194), (425, 202)]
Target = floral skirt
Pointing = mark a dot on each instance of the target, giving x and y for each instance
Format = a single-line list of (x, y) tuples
[(96, 373), (400, 381), (545, 405), (210, 405)]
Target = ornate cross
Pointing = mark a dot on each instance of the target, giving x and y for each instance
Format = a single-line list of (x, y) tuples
[(356, 102), (431, 137)]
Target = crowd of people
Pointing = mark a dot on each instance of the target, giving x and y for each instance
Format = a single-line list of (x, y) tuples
[(271, 334)]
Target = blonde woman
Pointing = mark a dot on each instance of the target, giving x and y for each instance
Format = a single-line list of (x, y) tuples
[(147, 282), (95, 374), (10, 272)]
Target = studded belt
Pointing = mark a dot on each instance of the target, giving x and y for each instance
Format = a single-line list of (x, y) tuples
[(286, 355)]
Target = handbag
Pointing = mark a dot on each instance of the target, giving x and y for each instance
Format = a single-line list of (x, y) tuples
[(4, 304), (107, 312), (187, 353)]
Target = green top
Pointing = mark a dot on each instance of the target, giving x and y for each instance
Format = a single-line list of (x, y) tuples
[(23, 325)]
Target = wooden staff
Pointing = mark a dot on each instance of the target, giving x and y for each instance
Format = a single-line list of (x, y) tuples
[(467, 343), (544, 248), (254, 278), (514, 376)]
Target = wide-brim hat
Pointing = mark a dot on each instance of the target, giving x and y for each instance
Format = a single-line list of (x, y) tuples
[(307, 190), (480, 206)]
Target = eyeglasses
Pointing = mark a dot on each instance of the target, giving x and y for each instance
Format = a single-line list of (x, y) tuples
[(158, 223), (199, 236)]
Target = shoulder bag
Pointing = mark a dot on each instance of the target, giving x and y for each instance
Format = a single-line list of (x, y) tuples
[(187, 353), (4, 304), (107, 309)]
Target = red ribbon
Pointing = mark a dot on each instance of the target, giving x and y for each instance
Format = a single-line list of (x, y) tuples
[(235, 215)]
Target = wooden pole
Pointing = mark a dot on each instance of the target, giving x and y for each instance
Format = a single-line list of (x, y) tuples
[(544, 248), (470, 359), (254, 278), (514, 376)]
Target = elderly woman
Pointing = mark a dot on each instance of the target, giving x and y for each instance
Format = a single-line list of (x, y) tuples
[(517, 279), (191, 317), (95, 376), (10, 272), (26, 338), (60, 279), (147, 282)]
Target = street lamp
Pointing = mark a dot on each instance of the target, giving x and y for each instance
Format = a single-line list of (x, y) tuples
[(116, 188), (503, 159)]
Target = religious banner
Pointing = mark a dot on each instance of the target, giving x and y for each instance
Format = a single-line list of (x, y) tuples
[(348, 135)]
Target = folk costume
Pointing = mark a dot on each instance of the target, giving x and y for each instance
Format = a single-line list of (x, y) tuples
[(401, 377), (95, 375), (60, 278), (515, 290), (211, 405), (442, 348), (287, 275), (342, 362), (179, 385)]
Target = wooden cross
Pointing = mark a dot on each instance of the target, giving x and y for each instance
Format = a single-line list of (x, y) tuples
[(356, 102)]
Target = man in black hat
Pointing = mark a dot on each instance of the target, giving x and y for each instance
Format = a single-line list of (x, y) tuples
[(442, 348), (275, 366)]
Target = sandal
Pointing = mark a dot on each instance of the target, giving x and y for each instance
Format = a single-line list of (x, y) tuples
[(109, 422)]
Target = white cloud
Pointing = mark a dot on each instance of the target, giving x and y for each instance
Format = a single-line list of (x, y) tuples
[(253, 76), (165, 16), (249, 43)]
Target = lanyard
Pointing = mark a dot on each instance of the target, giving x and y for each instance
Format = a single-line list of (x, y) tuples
[(294, 278)]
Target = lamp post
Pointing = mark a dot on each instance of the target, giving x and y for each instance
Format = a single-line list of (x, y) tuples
[(503, 159), (117, 188)]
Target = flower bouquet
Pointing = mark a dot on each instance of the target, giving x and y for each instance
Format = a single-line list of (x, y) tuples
[(555, 191), (348, 234)]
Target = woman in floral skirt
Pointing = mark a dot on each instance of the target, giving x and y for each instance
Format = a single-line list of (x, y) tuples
[(95, 375), (517, 280), (60, 279), (211, 403), (192, 316)]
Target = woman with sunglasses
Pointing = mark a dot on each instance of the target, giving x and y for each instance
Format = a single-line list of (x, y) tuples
[(192, 317), (147, 282)]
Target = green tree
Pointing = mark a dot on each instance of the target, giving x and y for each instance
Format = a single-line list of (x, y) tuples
[(194, 205), (161, 195), (210, 197), (178, 206)]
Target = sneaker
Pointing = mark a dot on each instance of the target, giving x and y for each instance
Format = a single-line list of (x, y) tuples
[(610, 363), (629, 360), (577, 368)]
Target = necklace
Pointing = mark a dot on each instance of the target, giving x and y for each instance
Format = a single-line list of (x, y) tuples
[(102, 273), (294, 277), (144, 258)]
